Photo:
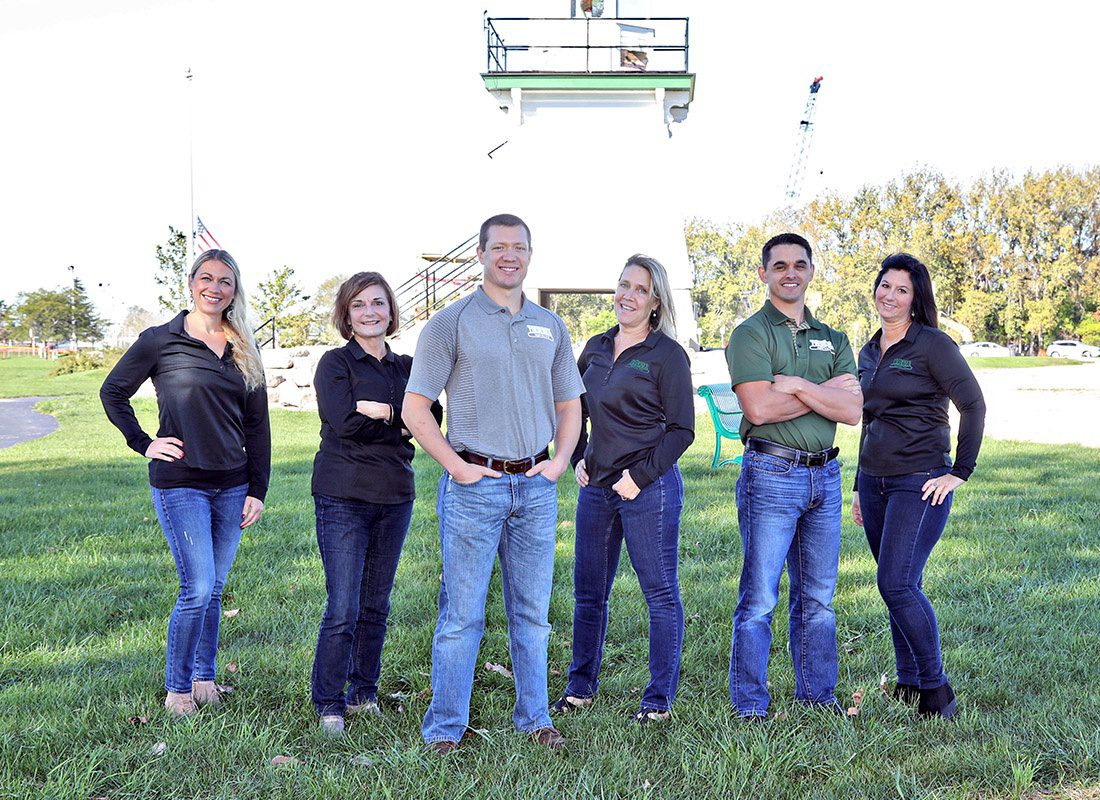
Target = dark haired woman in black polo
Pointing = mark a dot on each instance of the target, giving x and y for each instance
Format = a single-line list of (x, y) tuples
[(906, 478), (363, 493)]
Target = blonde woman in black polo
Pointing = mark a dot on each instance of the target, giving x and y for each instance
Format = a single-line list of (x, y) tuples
[(638, 400), (907, 478), (210, 461)]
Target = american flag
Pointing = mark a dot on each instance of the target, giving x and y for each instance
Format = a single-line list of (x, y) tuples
[(205, 238)]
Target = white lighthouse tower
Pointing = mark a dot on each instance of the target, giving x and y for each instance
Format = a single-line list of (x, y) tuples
[(593, 100), (592, 97)]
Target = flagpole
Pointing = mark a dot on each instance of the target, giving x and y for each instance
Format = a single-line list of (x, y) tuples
[(191, 170)]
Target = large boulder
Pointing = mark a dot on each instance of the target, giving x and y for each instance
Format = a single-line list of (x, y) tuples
[(278, 359)]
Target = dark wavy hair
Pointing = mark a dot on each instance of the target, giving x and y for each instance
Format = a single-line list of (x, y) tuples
[(923, 309)]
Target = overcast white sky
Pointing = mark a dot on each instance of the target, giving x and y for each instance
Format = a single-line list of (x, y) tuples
[(336, 136)]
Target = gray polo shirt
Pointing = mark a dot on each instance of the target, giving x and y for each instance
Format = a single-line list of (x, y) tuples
[(502, 374)]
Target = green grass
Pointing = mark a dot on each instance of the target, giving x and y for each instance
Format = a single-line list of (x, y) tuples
[(87, 583), (1016, 362), (25, 376)]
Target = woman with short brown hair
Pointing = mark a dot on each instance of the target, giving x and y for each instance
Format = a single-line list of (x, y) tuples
[(363, 491)]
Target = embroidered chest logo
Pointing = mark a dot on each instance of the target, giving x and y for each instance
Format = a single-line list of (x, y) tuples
[(639, 365), (902, 363), (824, 345), (539, 332)]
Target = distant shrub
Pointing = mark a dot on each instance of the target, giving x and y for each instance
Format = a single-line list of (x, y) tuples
[(1089, 329), (86, 361)]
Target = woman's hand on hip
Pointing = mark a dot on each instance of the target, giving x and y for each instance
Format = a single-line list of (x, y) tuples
[(625, 486), (857, 513), (939, 488), (166, 448), (581, 473), (251, 511)]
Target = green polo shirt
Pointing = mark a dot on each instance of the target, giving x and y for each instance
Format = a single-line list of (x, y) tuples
[(762, 346)]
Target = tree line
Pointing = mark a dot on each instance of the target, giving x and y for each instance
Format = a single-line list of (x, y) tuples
[(1014, 261), (52, 315)]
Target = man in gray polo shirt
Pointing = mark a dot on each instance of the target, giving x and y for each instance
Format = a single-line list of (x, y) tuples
[(512, 385)]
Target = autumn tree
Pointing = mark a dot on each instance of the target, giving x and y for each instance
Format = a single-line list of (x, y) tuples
[(7, 320), (280, 297), (1016, 261), (320, 330), (171, 274), (137, 319)]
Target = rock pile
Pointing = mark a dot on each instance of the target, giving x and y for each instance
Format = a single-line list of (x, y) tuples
[(290, 376)]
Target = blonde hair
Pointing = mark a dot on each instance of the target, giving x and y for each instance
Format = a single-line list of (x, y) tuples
[(237, 322), (663, 317)]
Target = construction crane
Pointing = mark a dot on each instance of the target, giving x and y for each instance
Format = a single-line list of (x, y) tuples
[(802, 147)]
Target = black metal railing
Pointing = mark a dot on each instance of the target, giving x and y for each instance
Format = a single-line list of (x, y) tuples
[(441, 281), (583, 44), (261, 342)]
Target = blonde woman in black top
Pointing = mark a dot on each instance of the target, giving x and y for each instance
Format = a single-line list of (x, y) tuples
[(908, 371), (638, 405), (210, 461)]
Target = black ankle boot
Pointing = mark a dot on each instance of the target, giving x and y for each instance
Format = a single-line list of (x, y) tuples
[(938, 702), (906, 693)]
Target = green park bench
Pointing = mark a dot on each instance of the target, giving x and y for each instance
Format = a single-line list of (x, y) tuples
[(725, 413)]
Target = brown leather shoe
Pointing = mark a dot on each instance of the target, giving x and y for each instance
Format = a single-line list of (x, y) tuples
[(441, 748), (549, 738)]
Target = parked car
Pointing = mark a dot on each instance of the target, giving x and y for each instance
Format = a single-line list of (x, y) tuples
[(983, 349), (1065, 348)]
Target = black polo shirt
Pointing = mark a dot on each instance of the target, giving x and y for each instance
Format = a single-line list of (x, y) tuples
[(905, 393), (203, 402), (363, 459), (639, 405)]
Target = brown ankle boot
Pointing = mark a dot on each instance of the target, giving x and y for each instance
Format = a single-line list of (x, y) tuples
[(206, 693), (180, 704)]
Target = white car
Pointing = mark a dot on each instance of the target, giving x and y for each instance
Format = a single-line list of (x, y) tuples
[(983, 349), (1064, 348)]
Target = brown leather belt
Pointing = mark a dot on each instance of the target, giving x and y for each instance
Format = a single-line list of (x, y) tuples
[(508, 466), (800, 457)]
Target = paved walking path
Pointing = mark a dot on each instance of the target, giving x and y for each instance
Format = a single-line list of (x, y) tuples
[(19, 422)]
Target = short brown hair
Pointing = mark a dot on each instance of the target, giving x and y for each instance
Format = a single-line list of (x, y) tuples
[(505, 221), (353, 286)]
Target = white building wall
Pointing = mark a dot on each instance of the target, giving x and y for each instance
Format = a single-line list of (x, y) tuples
[(592, 174)]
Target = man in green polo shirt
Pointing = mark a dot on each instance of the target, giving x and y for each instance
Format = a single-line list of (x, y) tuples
[(795, 379)]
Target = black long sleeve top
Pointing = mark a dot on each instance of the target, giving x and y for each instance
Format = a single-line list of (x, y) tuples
[(203, 402), (905, 394), (639, 408), (360, 458)]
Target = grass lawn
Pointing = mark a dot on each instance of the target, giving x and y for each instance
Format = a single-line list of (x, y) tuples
[(87, 584), (1016, 362)]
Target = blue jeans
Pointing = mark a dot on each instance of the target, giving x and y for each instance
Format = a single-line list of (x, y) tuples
[(902, 529), (203, 529), (360, 545), (514, 517), (791, 514), (650, 525)]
